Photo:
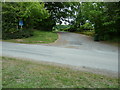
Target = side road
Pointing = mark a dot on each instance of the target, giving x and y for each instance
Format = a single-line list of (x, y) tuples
[(82, 42)]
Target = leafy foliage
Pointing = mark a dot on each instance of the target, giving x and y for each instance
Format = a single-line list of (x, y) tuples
[(105, 17), (59, 11), (12, 13), (61, 28)]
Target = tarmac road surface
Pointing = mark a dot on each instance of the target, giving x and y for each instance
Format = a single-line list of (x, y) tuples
[(71, 49)]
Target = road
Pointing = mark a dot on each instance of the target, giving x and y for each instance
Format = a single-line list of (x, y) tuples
[(82, 42), (77, 50)]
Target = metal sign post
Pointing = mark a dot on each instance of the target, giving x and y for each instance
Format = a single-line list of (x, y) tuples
[(21, 23)]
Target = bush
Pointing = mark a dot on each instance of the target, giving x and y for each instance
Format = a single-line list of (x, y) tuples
[(17, 34), (72, 29)]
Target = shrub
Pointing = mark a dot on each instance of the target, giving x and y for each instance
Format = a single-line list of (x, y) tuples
[(17, 34), (72, 29)]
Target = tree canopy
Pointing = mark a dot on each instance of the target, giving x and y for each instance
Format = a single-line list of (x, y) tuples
[(29, 12), (103, 17)]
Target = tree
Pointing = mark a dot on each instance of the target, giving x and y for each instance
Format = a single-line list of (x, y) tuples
[(59, 11), (105, 17), (112, 20), (29, 12)]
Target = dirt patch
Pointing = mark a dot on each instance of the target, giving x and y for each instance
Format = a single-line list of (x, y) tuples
[(19, 40), (111, 43)]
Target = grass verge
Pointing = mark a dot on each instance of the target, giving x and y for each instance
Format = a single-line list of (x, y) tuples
[(19, 73), (38, 37), (113, 41), (88, 33)]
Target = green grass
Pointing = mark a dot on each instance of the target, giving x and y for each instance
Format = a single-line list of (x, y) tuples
[(88, 33), (38, 37), (19, 73), (61, 28), (113, 41)]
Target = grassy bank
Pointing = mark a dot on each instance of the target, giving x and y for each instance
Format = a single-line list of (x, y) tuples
[(113, 41), (19, 73), (88, 33), (38, 37)]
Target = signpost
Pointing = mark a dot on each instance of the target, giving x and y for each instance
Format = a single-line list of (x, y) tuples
[(21, 23)]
